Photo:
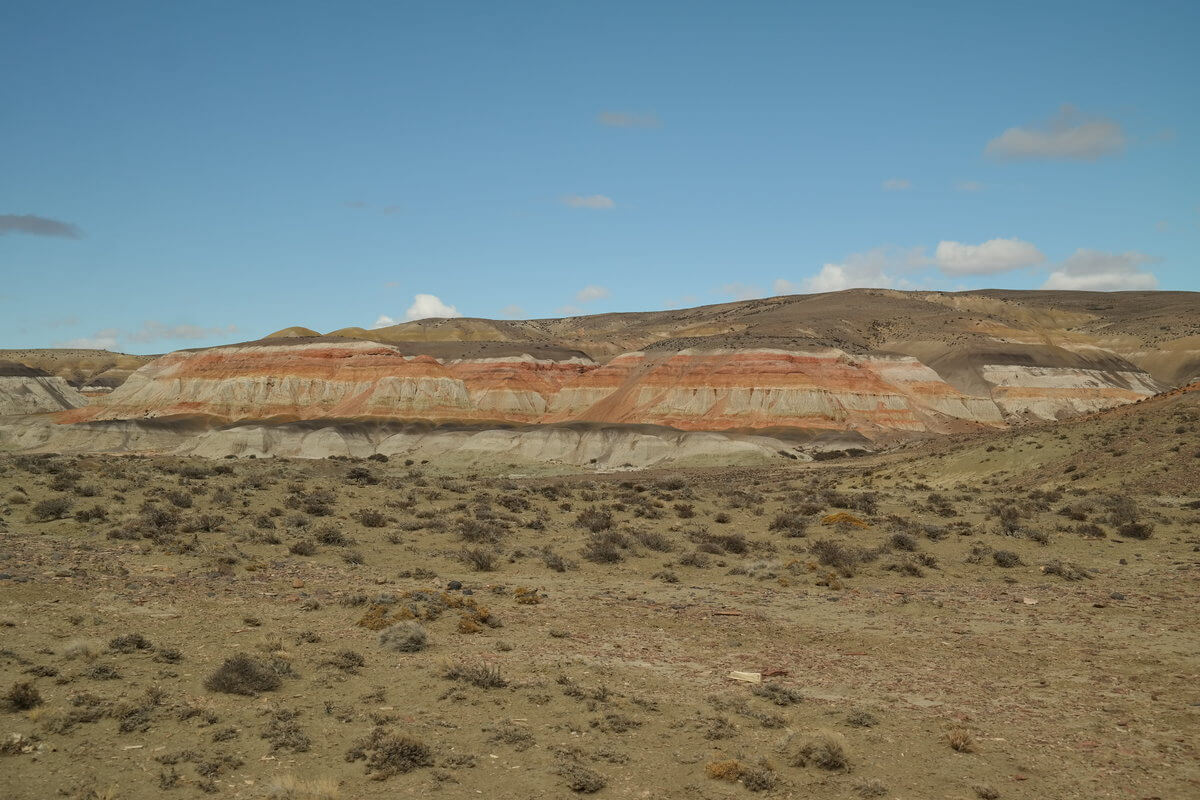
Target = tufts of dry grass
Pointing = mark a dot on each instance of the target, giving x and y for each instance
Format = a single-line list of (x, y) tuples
[(405, 637), (289, 787), (961, 740), (482, 675), (825, 749)]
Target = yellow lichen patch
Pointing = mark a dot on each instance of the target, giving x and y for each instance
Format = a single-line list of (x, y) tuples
[(527, 597), (843, 518), (729, 770), (376, 618)]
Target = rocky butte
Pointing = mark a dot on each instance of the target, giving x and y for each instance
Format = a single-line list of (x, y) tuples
[(785, 376)]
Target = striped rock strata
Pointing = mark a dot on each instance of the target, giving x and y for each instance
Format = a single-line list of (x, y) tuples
[(24, 390), (688, 390)]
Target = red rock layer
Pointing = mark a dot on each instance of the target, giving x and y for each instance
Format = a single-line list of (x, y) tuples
[(689, 390)]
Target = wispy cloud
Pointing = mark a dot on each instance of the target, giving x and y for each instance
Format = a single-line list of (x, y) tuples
[(1069, 134), (897, 184), (595, 201), (101, 340), (150, 331), (155, 331), (988, 258), (1098, 271), (512, 311), (969, 186), (589, 293), (38, 226), (629, 119), (741, 291)]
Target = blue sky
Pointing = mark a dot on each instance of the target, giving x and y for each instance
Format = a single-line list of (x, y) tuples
[(177, 175)]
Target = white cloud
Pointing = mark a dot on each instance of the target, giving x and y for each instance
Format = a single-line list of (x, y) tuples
[(1097, 271), (596, 201), (429, 305), (836, 277), (994, 255), (628, 119), (589, 293), (513, 311), (879, 268), (101, 340), (969, 186), (155, 331), (571, 311), (741, 291), (384, 321), (1067, 135), (896, 184)]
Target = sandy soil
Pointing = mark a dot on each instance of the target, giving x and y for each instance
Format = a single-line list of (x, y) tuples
[(886, 642)]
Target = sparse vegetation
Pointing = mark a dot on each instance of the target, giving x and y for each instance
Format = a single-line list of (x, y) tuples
[(243, 674)]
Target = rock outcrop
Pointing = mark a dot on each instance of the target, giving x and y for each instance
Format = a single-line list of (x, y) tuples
[(869, 364), (25, 390), (690, 390)]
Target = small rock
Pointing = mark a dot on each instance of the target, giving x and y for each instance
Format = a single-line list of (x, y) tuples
[(297, 584), (454, 586), (1113, 596)]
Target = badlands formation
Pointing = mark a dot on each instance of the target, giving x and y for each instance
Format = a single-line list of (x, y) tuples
[(787, 376)]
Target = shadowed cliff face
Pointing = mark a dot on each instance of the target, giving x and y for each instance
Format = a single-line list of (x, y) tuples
[(26, 390), (691, 390)]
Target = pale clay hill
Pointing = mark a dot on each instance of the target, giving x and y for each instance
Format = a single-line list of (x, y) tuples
[(736, 380)]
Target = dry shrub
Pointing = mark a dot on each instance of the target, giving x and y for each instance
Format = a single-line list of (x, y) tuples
[(1136, 530), (779, 695), (842, 558), (861, 718), (482, 675), (81, 648), (1066, 570), (961, 740), (405, 637), (594, 519), (827, 750), (284, 734), (243, 674), (389, 754), (53, 508), (22, 696), (604, 548), (478, 559), (580, 778), (289, 787), (870, 787), (793, 525), (1006, 559)]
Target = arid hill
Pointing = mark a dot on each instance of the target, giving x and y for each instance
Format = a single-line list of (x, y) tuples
[(880, 364)]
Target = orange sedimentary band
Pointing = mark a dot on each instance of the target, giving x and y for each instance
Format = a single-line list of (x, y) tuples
[(690, 390)]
